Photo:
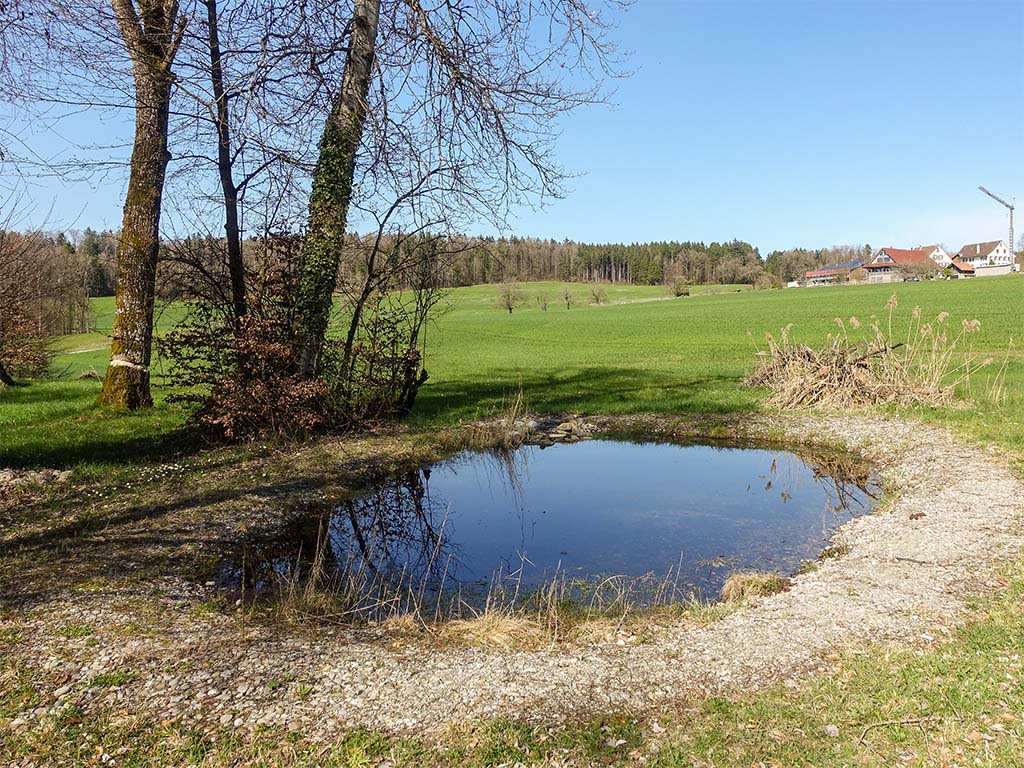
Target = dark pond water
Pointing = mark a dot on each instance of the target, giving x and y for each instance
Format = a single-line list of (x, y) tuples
[(671, 520)]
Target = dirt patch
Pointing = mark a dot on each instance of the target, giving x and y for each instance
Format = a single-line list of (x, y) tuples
[(904, 577)]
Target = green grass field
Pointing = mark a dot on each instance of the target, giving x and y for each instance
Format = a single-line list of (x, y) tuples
[(640, 352)]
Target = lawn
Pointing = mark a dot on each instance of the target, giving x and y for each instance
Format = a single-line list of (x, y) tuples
[(642, 351), (690, 354)]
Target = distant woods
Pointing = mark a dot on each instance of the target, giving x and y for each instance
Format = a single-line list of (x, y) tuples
[(793, 263), (677, 264), (45, 286), (497, 260)]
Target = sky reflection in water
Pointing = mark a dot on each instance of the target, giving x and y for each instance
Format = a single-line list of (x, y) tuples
[(597, 508)]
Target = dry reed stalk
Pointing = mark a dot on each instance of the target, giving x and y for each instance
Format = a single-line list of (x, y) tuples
[(559, 609), (506, 431)]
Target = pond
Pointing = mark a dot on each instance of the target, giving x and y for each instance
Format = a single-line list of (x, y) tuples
[(604, 520)]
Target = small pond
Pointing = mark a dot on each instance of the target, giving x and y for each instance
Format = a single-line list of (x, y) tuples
[(606, 520)]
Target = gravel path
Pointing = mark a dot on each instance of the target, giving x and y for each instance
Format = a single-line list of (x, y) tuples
[(959, 512)]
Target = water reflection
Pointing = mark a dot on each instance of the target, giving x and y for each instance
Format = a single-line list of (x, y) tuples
[(672, 520)]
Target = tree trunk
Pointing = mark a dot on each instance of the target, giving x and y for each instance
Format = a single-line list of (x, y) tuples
[(152, 40), (5, 378), (236, 268), (332, 189)]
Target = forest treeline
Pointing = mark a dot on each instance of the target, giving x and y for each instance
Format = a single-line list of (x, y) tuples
[(91, 257)]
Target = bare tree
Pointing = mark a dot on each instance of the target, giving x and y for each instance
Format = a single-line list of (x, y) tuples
[(509, 296), (22, 258), (444, 116), (42, 294), (222, 117), (255, 80)]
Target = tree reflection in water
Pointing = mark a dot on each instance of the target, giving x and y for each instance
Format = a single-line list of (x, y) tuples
[(398, 548)]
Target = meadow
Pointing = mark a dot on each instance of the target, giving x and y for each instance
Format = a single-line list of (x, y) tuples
[(642, 351)]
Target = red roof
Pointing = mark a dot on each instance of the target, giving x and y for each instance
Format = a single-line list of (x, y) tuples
[(904, 256), (960, 266), (834, 269)]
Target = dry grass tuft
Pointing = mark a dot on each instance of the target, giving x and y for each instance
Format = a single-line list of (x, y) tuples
[(495, 629), (598, 630), (740, 586), (402, 624), (872, 366), (505, 432)]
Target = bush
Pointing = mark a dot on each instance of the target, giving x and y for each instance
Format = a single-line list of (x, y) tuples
[(679, 287), (22, 353), (243, 377)]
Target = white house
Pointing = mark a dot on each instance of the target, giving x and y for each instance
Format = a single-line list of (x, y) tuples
[(994, 253)]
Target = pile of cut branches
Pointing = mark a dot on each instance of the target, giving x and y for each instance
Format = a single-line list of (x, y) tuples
[(926, 367)]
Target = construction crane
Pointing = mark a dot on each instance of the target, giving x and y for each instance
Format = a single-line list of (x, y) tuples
[(1008, 205)]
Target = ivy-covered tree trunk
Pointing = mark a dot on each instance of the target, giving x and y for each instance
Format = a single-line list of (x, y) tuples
[(332, 188), (151, 36)]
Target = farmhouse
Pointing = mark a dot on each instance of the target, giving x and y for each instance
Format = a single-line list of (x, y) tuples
[(958, 269), (832, 273), (892, 265), (987, 259)]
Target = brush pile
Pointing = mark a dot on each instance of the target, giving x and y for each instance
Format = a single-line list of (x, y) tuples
[(840, 376), (927, 366)]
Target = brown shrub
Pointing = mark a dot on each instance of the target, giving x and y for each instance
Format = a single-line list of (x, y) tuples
[(243, 378)]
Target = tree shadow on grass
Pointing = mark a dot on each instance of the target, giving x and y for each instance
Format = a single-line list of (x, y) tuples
[(58, 425), (588, 390), (80, 445)]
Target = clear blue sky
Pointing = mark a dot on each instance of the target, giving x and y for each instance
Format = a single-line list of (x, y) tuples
[(781, 123)]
